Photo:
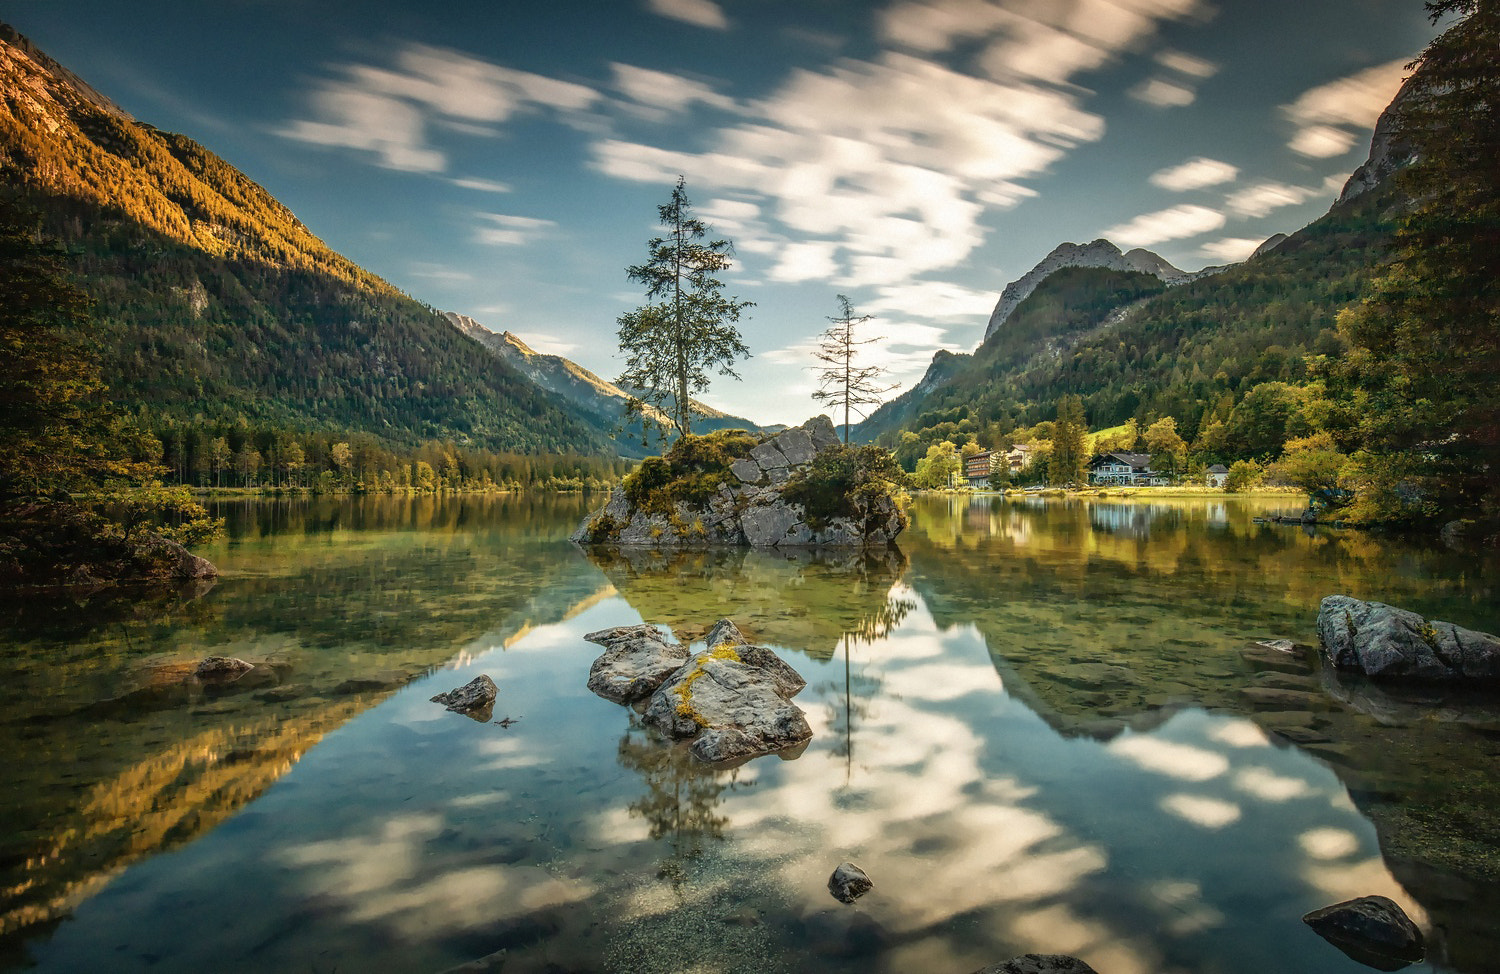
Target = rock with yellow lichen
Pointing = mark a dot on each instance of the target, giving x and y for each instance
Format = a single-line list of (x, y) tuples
[(732, 700)]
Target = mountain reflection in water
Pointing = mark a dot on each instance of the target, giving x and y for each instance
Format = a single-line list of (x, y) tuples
[(1046, 731)]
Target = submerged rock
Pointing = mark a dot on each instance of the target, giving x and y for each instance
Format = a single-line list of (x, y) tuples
[(1380, 640), (637, 660), (1373, 930), (221, 668), (474, 699), (849, 882)]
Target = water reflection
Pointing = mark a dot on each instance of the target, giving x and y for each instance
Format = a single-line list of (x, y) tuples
[(801, 599), (1037, 735), (116, 752)]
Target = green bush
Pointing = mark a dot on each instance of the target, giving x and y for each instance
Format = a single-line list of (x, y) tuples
[(691, 471), (844, 481)]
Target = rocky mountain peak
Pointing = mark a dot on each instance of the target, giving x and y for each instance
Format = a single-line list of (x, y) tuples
[(1097, 253), (1388, 151)]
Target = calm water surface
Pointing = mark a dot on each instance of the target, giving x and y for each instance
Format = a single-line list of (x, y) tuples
[(1042, 725)]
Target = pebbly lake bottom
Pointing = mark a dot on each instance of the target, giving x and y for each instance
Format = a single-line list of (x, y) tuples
[(1043, 726)]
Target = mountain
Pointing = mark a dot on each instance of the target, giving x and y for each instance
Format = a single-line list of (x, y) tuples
[(1088, 321), (601, 402), (1100, 253), (213, 305)]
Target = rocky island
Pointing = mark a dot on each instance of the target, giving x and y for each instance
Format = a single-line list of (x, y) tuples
[(798, 488)]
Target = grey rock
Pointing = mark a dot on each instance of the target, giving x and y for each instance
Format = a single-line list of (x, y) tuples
[(820, 430), (797, 446), (732, 710), (779, 475), (788, 681), (766, 525), (1039, 964), (725, 633), (475, 696), (221, 668), (849, 882), (1373, 930), (637, 660), (1380, 640), (748, 471), (768, 456)]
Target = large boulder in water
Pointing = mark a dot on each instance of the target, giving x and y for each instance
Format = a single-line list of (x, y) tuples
[(733, 700), (1383, 641), (637, 660), (1373, 930)]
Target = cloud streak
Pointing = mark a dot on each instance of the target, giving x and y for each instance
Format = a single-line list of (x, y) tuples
[(1175, 223), (1323, 117), (388, 111)]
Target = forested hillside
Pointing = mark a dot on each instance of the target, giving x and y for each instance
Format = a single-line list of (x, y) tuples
[(217, 310), (1131, 348)]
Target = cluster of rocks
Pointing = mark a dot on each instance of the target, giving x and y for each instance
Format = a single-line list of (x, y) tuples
[(749, 509), (1380, 640), (733, 700)]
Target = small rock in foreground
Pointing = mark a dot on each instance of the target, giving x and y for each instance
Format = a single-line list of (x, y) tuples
[(221, 668), (474, 699), (1372, 930), (1040, 964), (849, 882)]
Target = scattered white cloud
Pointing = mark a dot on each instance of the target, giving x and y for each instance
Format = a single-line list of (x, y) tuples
[(1263, 197), (1186, 64), (1323, 116), (1230, 250), (1328, 843), (481, 185), (930, 300), (546, 344), (1195, 174), (880, 162), (437, 272), (1322, 141), (1175, 223), (1163, 93), (502, 230), (390, 111), (700, 13), (659, 94), (1047, 42), (1182, 761), (1208, 813)]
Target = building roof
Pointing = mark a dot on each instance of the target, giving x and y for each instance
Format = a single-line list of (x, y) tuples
[(1137, 461), (1218, 468)]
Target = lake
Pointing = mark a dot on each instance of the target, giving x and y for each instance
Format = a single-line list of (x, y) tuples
[(1042, 725)]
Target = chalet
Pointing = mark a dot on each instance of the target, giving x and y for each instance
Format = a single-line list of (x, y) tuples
[(1019, 457), (977, 469), (1217, 476), (1125, 469)]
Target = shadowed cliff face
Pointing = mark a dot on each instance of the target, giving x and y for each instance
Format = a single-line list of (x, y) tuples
[(116, 752)]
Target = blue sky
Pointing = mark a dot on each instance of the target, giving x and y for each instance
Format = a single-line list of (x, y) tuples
[(505, 159)]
